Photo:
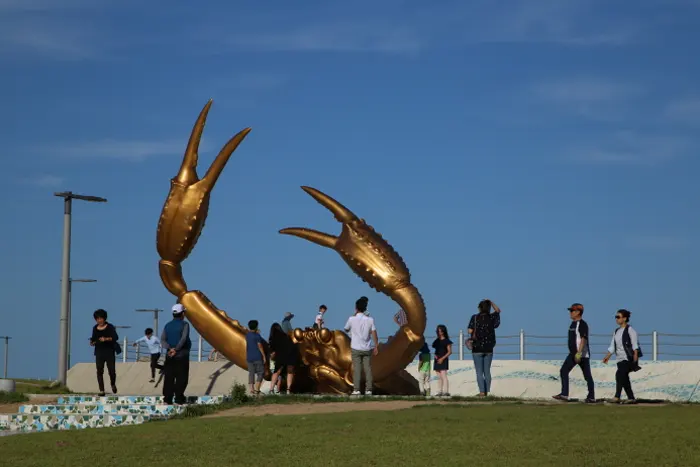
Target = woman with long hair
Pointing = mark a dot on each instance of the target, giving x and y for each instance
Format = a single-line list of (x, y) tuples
[(625, 347), (284, 353), (105, 340), (482, 340), (443, 350)]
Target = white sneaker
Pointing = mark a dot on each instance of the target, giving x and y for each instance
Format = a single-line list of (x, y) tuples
[(368, 393), (356, 393)]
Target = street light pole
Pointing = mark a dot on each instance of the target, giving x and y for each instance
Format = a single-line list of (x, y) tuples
[(70, 315), (68, 197), (7, 350), (155, 312)]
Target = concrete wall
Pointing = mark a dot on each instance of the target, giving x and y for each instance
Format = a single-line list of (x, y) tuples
[(532, 379), (206, 378), (676, 381)]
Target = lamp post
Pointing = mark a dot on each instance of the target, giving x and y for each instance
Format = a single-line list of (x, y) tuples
[(7, 350), (68, 197), (155, 312), (70, 315)]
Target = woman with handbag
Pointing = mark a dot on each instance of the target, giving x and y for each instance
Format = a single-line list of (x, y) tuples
[(625, 347), (482, 331), (106, 342)]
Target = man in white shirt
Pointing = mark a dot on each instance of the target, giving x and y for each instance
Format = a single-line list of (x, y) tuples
[(362, 333), (153, 345)]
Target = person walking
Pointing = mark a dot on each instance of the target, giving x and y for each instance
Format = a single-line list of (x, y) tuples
[(362, 332), (153, 345), (106, 342), (177, 344), (625, 347), (579, 354), (482, 331)]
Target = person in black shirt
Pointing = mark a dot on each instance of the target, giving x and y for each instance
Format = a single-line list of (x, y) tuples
[(104, 339), (579, 354), (482, 331)]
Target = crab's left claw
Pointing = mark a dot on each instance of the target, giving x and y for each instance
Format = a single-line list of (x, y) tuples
[(186, 207)]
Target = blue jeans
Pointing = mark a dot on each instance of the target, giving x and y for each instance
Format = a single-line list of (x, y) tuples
[(482, 364)]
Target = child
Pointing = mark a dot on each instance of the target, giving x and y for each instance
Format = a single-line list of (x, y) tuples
[(255, 356), (424, 368), (153, 345)]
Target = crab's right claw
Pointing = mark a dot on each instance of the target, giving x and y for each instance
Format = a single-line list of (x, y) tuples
[(314, 236)]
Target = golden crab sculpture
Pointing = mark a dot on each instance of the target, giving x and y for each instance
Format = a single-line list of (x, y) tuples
[(325, 354)]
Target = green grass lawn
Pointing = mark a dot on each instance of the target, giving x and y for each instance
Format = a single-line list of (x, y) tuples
[(496, 435), (38, 386)]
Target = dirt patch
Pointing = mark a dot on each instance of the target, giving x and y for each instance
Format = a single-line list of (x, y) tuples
[(329, 407), (14, 408)]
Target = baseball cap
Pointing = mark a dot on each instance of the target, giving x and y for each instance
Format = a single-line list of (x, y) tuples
[(178, 308), (289, 315), (576, 307)]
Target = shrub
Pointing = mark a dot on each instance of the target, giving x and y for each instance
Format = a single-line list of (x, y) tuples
[(12, 397)]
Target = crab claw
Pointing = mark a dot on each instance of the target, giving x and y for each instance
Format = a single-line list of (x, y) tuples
[(341, 213), (186, 207), (319, 238)]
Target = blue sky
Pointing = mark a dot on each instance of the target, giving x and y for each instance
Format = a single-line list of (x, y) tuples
[(534, 152)]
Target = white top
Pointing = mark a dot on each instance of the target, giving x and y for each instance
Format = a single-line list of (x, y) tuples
[(319, 320), (152, 343), (619, 352), (360, 327)]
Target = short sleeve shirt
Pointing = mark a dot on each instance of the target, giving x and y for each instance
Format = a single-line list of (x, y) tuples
[(360, 328), (252, 352)]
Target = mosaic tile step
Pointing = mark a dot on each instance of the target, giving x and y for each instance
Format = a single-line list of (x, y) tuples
[(135, 400), (28, 423), (160, 410)]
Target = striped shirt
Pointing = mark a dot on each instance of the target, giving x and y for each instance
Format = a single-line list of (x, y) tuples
[(401, 318)]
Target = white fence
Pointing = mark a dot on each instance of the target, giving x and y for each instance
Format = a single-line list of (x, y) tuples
[(522, 346)]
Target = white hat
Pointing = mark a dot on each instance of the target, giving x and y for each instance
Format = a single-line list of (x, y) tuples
[(178, 308)]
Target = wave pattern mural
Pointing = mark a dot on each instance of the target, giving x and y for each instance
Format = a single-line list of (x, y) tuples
[(534, 379)]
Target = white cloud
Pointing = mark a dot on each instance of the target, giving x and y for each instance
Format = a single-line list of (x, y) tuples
[(686, 110), (134, 151), (591, 97), (43, 180), (631, 148), (364, 36), (657, 242)]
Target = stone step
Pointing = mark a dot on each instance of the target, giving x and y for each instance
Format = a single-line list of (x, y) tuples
[(29, 423), (159, 410), (135, 400)]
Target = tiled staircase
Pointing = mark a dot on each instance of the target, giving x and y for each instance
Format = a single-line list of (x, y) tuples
[(78, 412)]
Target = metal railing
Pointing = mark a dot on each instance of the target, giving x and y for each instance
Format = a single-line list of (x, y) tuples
[(522, 346)]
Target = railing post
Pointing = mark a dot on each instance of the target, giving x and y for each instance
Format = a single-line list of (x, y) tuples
[(125, 349), (138, 352), (654, 345), (461, 344), (199, 350), (522, 344)]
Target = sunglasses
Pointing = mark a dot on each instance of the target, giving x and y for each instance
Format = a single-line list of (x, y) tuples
[(618, 317)]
